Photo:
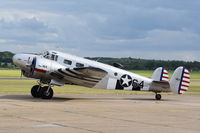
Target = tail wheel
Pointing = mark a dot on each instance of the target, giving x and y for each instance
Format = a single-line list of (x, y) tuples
[(46, 92), (158, 96), (36, 91)]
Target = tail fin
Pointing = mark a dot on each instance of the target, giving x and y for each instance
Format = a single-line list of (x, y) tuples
[(180, 80), (160, 74)]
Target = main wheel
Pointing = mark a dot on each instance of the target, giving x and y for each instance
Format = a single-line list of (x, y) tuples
[(46, 94), (35, 91), (158, 96)]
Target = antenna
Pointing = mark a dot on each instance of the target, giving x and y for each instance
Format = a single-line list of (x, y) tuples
[(98, 59)]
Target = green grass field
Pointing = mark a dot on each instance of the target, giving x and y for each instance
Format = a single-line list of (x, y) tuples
[(10, 73), (23, 86)]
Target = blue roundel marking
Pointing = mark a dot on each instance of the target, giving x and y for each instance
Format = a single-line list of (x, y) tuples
[(126, 81)]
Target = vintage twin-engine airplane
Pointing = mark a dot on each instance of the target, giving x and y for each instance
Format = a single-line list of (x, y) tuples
[(56, 68)]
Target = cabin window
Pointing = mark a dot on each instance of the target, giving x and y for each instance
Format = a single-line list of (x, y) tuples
[(54, 57), (79, 65), (68, 62)]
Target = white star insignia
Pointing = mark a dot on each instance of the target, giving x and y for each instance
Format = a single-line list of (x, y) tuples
[(126, 81)]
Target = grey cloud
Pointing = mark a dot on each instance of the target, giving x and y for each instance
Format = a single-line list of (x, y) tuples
[(155, 40), (25, 31), (105, 26), (31, 24)]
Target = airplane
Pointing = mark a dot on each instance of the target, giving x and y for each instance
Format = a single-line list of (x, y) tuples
[(57, 68)]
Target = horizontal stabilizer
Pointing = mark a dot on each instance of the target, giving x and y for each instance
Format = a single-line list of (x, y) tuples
[(160, 86)]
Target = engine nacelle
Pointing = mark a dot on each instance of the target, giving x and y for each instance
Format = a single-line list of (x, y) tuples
[(42, 67)]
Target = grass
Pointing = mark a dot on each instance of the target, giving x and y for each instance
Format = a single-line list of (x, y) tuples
[(23, 86), (10, 73), (16, 86), (195, 76), (194, 88)]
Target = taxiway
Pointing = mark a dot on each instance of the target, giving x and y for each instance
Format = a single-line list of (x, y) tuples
[(100, 114)]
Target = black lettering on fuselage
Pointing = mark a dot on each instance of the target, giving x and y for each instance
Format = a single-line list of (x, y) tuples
[(137, 85)]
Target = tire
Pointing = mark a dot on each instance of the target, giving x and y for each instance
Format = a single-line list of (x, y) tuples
[(45, 94), (35, 91), (158, 96)]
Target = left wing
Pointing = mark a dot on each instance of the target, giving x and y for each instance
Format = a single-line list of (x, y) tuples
[(85, 76)]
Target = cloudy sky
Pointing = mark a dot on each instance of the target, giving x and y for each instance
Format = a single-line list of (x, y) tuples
[(150, 29)]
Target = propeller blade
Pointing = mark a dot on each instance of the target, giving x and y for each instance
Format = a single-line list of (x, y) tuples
[(33, 64), (21, 74)]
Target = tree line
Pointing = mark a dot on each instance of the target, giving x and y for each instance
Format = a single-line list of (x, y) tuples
[(144, 64), (128, 63), (6, 60)]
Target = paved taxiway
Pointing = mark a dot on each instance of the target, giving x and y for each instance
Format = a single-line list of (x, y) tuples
[(100, 114)]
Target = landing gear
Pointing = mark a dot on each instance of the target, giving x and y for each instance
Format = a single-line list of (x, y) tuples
[(36, 91), (158, 96), (45, 92)]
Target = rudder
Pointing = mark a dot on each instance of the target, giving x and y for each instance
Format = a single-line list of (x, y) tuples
[(160, 74), (180, 80)]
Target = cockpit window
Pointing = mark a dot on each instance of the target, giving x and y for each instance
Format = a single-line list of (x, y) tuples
[(47, 55)]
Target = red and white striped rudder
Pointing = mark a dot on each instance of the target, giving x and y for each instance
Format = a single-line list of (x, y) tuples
[(160, 74), (185, 82), (165, 76), (180, 80)]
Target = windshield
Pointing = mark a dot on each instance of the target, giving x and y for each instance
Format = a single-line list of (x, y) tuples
[(46, 55), (51, 56)]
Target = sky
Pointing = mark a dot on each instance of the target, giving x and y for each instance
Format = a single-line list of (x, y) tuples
[(148, 29)]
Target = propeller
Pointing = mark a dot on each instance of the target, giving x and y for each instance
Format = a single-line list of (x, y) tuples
[(32, 67), (21, 74)]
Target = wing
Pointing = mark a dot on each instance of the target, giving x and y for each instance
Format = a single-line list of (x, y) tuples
[(86, 76)]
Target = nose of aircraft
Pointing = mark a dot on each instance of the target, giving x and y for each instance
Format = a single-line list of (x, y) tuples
[(15, 59), (18, 60)]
